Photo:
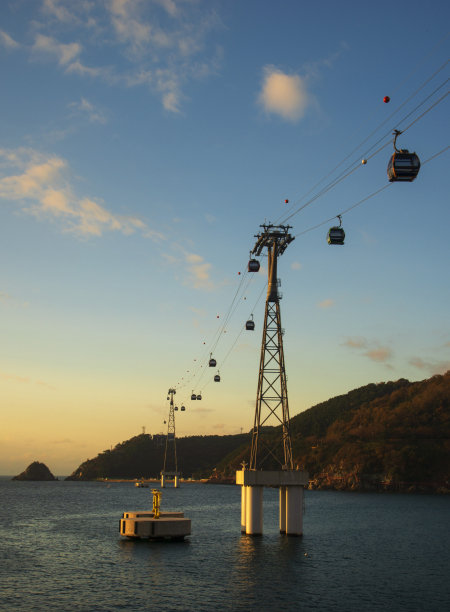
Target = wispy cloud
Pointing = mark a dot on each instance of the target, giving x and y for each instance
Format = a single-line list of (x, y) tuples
[(59, 10), (296, 265), (24, 380), (357, 343), (4, 297), (380, 355), (40, 184), (14, 378), (284, 94), (166, 43), (7, 41), (431, 367), (372, 350), (85, 107), (199, 271), (196, 271), (328, 303), (64, 53)]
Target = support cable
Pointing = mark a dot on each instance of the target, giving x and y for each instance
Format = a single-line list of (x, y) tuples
[(340, 177)]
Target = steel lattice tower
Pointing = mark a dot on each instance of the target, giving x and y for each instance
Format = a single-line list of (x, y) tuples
[(270, 450), (171, 444)]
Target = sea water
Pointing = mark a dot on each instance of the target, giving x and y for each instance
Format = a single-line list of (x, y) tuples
[(61, 550)]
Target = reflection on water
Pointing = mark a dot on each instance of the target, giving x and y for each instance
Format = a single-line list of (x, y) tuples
[(61, 550)]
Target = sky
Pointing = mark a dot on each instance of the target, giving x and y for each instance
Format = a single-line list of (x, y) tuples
[(143, 144)]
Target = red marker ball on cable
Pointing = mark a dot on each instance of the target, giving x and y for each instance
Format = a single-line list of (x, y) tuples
[(386, 99)]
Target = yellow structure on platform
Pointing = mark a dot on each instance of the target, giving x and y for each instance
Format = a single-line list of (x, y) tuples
[(156, 502)]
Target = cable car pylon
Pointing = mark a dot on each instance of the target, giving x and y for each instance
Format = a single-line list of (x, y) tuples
[(170, 469), (271, 461)]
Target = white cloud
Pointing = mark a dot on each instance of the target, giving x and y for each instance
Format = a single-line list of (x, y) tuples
[(40, 183), (7, 41), (296, 265), (283, 94)]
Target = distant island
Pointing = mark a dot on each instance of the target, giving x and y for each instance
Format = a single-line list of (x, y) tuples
[(36, 471), (389, 436)]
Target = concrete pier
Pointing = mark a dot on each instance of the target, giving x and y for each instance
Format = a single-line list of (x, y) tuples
[(243, 509), (282, 511), (290, 483), (175, 476), (254, 510), (294, 511)]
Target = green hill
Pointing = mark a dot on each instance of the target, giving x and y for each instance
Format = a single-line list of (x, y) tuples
[(393, 435)]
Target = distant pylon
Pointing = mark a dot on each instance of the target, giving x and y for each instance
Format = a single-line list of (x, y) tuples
[(170, 453), (271, 450)]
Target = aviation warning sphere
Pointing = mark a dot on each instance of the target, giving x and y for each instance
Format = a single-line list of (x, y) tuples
[(386, 99)]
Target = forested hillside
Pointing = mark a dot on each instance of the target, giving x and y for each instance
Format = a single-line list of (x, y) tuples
[(393, 436), (143, 457)]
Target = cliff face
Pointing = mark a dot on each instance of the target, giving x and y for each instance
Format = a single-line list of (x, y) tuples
[(36, 471)]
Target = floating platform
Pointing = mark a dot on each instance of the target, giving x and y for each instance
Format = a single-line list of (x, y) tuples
[(142, 524), (154, 524)]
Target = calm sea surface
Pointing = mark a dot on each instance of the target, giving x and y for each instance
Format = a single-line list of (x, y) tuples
[(60, 550)]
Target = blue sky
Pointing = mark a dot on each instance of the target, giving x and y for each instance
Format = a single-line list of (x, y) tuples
[(144, 142)]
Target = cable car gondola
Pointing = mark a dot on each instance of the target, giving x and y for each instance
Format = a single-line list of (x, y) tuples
[(176, 408), (183, 408), (403, 165), (253, 265), (199, 397), (217, 377), (336, 234), (250, 325), (212, 361), (193, 396)]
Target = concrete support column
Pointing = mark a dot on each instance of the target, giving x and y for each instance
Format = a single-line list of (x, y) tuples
[(254, 510), (175, 482), (243, 508), (294, 510), (282, 494), (162, 481)]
